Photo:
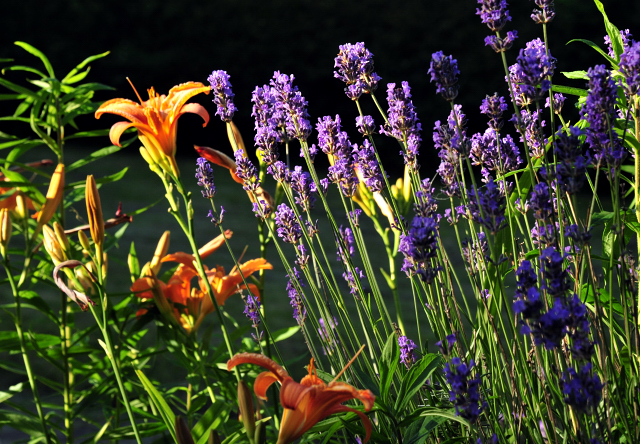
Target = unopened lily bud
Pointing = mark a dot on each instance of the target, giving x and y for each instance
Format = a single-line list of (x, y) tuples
[(21, 211), (5, 230), (245, 405), (183, 434), (146, 156), (94, 211), (233, 133), (161, 251), (53, 197), (105, 265), (52, 245), (62, 238), (261, 434), (84, 241), (214, 438)]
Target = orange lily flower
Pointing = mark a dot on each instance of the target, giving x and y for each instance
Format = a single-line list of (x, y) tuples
[(307, 402), (189, 306), (156, 120)]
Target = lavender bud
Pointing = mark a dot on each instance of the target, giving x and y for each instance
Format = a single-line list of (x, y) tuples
[(222, 95)]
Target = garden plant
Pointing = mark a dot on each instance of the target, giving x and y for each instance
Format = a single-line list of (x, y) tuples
[(507, 309)]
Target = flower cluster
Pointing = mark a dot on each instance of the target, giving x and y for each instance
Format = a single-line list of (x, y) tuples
[(347, 239), (366, 126), (369, 168), (493, 106), (222, 95), (204, 175), (425, 204), (488, 206), (449, 169), (296, 298), (304, 186), (403, 122), (545, 14), (530, 75), (354, 65), (465, 390), (571, 166), (495, 15), (625, 36), (494, 154), (420, 247), (246, 171), (444, 71), (407, 346), (252, 310), (558, 102), (630, 68), (288, 227), (475, 253), (534, 137), (582, 390)]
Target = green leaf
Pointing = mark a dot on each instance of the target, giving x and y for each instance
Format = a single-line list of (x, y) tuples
[(283, 334), (23, 68), (134, 264), (29, 425), (106, 179), (9, 341), (569, 90), (31, 50), (93, 157), (69, 77), (211, 420), (596, 47), (161, 405), (13, 390), (614, 33), (415, 379), (581, 75), (388, 364), (19, 89)]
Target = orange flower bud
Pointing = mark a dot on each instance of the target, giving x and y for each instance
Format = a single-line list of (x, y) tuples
[(21, 211), (52, 245), (5, 230), (94, 212), (62, 238), (161, 251), (53, 197), (84, 241)]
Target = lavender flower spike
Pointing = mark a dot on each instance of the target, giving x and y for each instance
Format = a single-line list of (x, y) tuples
[(204, 174), (630, 68), (545, 14), (494, 13), (407, 346), (246, 171), (288, 227), (222, 95), (354, 65), (444, 71), (252, 310)]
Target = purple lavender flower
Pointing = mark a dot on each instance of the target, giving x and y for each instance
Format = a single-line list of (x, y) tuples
[(354, 217), (540, 202), (246, 171), (366, 126), (494, 14), (558, 101), (261, 209), (343, 174), (290, 102), (447, 345), (296, 298), (534, 66), (583, 390), (599, 112), (217, 220), (252, 310), (425, 204), (556, 279), (355, 68), (545, 14), (465, 391), (551, 327), (493, 106), (326, 331), (419, 247), (407, 346), (475, 253), (331, 139), (288, 227), (501, 44), (369, 168), (533, 132), (204, 174), (345, 237), (579, 237), (544, 235), (302, 256), (349, 277), (630, 68), (279, 171), (449, 169), (266, 139), (222, 95), (444, 71), (626, 39), (494, 154), (527, 298), (572, 164), (302, 183), (582, 348), (488, 207), (403, 121)]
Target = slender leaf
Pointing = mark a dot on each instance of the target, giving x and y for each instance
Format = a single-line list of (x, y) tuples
[(68, 78), (161, 405), (96, 155), (388, 364), (596, 47), (581, 75), (415, 378), (36, 52), (569, 90)]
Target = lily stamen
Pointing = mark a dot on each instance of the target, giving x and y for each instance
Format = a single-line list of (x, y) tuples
[(135, 90), (348, 364)]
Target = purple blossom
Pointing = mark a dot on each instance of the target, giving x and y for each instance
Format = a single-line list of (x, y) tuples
[(475, 253), (349, 277), (403, 121), (369, 168), (545, 14), (345, 237), (582, 348), (217, 220), (261, 209), (551, 327), (572, 164), (579, 237), (252, 310), (465, 390), (540, 202), (343, 174), (302, 256), (458, 124), (222, 95), (425, 204), (326, 331), (246, 171), (534, 66), (266, 139), (420, 247), (501, 44), (558, 101), (279, 171), (290, 102), (444, 71), (204, 174), (533, 132), (599, 112), (583, 390), (449, 169), (331, 139), (544, 235), (494, 13), (355, 68), (493, 106), (625, 35), (366, 126), (630, 68), (447, 345), (407, 346), (302, 183), (354, 217), (288, 227), (488, 206), (556, 280), (296, 298), (494, 154)]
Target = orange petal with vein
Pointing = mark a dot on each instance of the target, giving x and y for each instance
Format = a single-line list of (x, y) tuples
[(214, 244), (195, 108), (366, 423), (262, 383), (261, 360)]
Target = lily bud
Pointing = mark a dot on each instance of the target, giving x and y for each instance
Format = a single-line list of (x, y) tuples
[(62, 238), (105, 265), (84, 241), (245, 405), (52, 245), (183, 434), (234, 133), (5, 230), (161, 251), (53, 197), (94, 211), (214, 438), (21, 211)]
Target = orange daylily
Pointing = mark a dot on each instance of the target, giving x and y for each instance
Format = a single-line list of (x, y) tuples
[(184, 304), (307, 402), (156, 120)]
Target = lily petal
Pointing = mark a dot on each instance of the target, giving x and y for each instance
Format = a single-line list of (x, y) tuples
[(292, 393), (179, 94), (214, 244), (261, 360), (366, 422), (125, 108), (195, 108), (262, 383), (116, 131), (219, 158)]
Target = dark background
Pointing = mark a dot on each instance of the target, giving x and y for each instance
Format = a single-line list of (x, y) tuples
[(162, 44)]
